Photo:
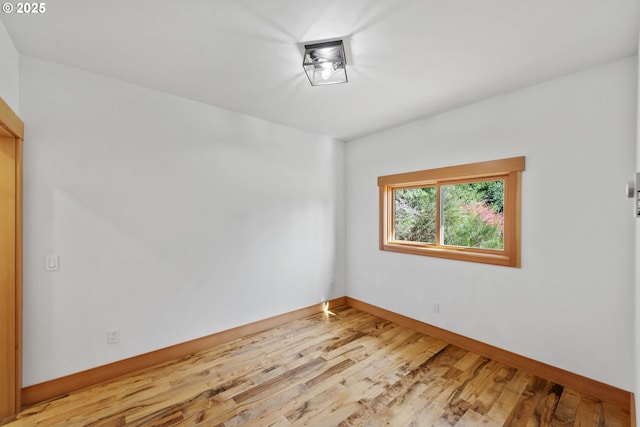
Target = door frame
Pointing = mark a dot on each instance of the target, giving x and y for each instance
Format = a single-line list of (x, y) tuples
[(12, 127)]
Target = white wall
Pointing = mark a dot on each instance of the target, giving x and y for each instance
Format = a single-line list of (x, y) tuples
[(570, 305), (8, 70), (172, 219)]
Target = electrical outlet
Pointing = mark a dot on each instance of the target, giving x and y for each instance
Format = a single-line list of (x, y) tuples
[(436, 308), (113, 336)]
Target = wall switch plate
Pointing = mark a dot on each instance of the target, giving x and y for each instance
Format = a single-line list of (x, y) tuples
[(51, 263), (113, 336)]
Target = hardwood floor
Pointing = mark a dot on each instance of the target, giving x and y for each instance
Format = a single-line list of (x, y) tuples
[(347, 369)]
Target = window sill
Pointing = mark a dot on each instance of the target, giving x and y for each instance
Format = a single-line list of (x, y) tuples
[(461, 254)]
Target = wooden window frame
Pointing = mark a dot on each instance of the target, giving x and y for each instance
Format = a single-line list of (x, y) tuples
[(509, 170)]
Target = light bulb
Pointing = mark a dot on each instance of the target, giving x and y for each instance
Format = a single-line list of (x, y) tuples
[(327, 70)]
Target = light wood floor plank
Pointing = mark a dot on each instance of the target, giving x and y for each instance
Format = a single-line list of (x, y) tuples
[(347, 369)]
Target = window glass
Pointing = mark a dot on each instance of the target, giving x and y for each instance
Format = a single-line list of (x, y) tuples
[(415, 214), (473, 214)]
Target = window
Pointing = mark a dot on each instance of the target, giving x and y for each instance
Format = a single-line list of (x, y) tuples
[(467, 212)]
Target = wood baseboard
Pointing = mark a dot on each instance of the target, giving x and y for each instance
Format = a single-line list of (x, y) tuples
[(60, 386), (602, 391)]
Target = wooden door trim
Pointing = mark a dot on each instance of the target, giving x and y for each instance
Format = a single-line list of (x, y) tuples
[(10, 121), (18, 259), (12, 127)]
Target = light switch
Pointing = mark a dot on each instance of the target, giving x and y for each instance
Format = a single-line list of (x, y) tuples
[(52, 263)]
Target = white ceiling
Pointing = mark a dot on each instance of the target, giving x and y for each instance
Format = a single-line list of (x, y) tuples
[(406, 58)]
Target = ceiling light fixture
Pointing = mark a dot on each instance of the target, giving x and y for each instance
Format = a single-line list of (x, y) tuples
[(325, 63)]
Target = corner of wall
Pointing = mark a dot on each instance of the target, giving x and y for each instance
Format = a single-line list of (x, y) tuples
[(9, 88)]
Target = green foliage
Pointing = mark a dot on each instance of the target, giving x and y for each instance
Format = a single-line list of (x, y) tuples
[(491, 193), (415, 214), (464, 226), (473, 214)]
